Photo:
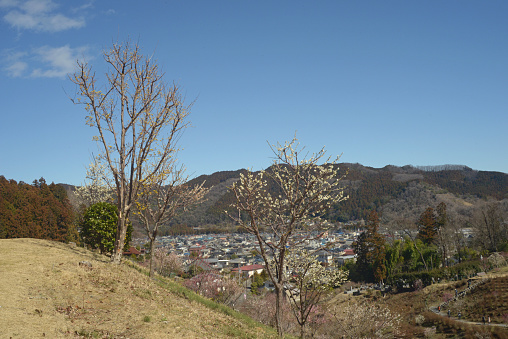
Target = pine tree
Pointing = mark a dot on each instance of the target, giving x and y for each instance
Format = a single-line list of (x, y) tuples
[(370, 249), (441, 223), (427, 226)]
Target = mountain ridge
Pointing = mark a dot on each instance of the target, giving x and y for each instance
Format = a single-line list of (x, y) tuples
[(387, 190), (372, 188)]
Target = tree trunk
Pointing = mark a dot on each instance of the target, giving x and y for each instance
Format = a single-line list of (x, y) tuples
[(303, 318), (152, 245), (279, 290), (421, 256), (116, 256)]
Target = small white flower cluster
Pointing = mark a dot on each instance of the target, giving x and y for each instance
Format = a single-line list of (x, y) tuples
[(306, 272), (97, 189)]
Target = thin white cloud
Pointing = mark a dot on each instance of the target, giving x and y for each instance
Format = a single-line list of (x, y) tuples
[(9, 3), (59, 61), (38, 6), (44, 62), (16, 69), (38, 15), (60, 22), (15, 65), (84, 7)]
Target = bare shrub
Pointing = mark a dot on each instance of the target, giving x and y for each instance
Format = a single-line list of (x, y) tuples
[(216, 287), (262, 309), (166, 263), (365, 320)]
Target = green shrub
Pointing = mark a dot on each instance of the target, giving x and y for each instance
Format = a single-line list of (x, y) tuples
[(98, 229)]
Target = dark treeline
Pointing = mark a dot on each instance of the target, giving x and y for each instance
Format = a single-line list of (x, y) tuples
[(38, 211), (478, 183)]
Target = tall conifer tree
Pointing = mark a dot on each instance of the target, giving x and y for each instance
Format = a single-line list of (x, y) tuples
[(371, 251), (427, 226)]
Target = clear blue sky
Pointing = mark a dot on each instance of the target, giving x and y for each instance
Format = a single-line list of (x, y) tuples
[(382, 82)]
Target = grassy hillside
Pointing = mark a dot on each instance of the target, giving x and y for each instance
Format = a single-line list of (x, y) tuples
[(44, 292)]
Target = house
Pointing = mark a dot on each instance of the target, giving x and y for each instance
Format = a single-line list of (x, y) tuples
[(324, 257), (199, 251), (235, 263), (346, 255), (249, 270), (269, 285), (341, 259), (214, 263), (132, 250), (200, 264), (349, 251)]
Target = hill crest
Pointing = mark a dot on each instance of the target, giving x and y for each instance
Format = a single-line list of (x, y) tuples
[(45, 292)]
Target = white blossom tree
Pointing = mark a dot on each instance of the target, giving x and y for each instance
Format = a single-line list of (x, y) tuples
[(138, 117), (309, 280), (96, 188), (216, 287), (306, 189)]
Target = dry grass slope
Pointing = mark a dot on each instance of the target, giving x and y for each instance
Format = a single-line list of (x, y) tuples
[(44, 292)]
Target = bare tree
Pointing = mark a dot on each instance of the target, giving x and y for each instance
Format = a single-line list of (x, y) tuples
[(442, 231), (162, 196), (306, 189), (489, 223), (455, 237), (138, 119)]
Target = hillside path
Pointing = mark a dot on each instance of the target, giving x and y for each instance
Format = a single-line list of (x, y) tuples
[(444, 314), (462, 294)]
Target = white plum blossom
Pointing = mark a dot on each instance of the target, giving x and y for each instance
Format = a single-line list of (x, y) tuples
[(305, 188), (97, 189)]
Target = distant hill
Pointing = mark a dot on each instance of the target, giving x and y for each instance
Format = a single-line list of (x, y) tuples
[(381, 189), (389, 190)]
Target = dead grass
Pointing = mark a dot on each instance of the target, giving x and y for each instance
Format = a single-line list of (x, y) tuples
[(46, 293)]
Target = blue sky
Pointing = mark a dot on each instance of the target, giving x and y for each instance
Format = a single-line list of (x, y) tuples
[(381, 82)]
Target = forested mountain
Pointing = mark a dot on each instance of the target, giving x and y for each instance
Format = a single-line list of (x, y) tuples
[(38, 211), (388, 189)]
